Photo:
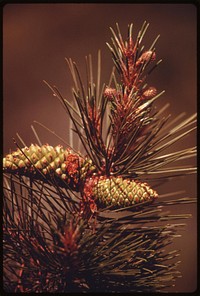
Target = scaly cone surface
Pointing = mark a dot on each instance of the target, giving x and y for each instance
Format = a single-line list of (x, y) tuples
[(48, 163)]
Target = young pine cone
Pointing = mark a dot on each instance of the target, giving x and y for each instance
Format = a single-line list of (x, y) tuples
[(118, 192), (47, 162), (79, 174)]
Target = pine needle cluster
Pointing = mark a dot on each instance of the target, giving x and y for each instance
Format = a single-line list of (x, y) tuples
[(96, 222)]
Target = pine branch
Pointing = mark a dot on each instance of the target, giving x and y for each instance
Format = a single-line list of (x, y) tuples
[(76, 223)]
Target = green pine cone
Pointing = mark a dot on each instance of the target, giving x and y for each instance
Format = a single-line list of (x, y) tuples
[(47, 162), (118, 192), (67, 168)]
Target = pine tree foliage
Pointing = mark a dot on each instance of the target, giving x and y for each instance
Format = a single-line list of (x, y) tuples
[(95, 222)]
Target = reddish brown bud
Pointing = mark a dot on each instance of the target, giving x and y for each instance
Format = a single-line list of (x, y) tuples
[(110, 93), (146, 56), (149, 93)]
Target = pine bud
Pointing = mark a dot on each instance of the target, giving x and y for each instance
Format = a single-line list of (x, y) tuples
[(149, 93), (110, 93), (145, 57)]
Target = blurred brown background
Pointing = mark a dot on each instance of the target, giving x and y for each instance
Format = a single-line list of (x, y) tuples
[(37, 38)]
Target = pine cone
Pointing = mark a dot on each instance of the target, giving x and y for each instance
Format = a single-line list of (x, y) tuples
[(117, 191), (48, 163)]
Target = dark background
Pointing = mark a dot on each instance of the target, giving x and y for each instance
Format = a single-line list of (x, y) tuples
[(37, 38)]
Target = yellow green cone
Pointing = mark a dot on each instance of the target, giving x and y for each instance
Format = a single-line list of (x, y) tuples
[(49, 162), (79, 174), (118, 192)]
